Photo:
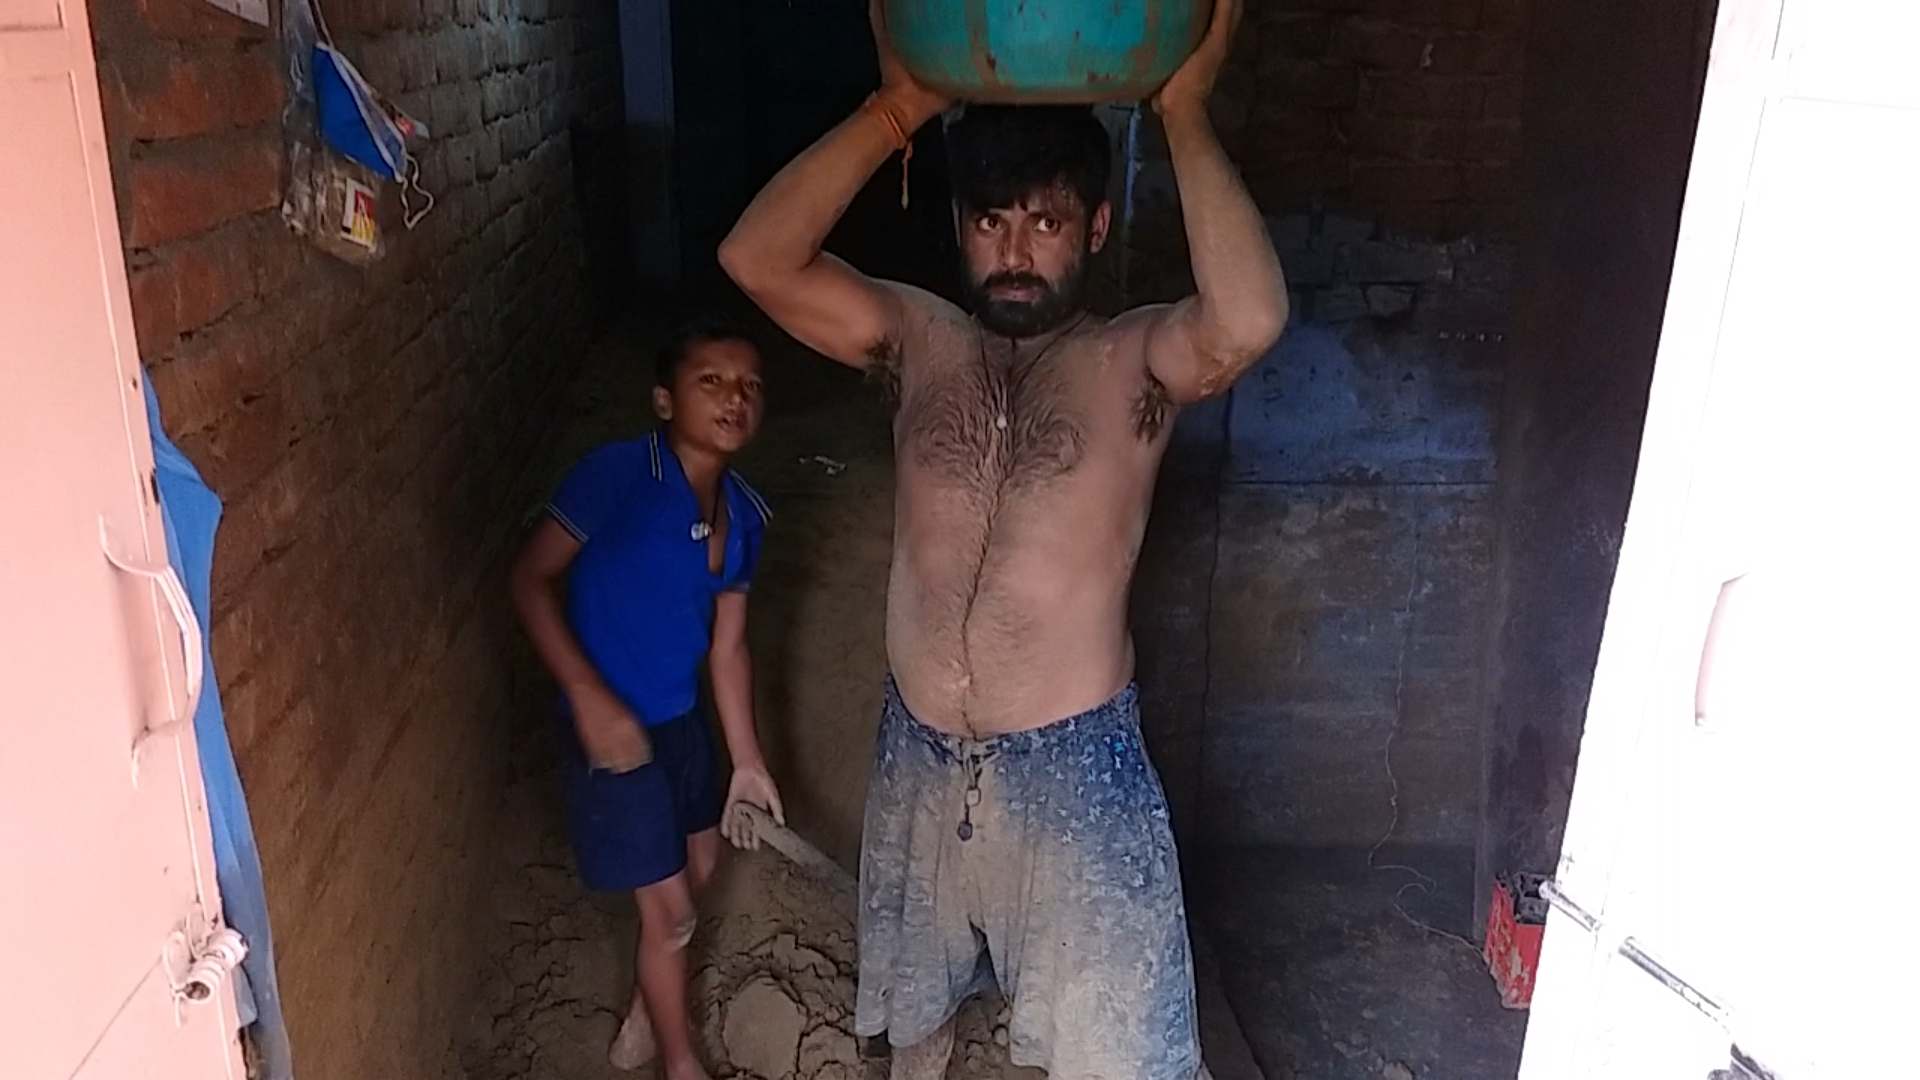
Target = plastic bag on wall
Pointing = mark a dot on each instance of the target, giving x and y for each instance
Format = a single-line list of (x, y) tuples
[(348, 148)]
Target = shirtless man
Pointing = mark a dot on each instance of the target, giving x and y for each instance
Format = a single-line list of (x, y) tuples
[(1015, 829)]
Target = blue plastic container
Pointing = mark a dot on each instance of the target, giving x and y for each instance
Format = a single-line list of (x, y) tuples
[(1039, 51)]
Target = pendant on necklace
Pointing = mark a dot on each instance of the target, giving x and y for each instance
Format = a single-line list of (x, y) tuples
[(701, 530)]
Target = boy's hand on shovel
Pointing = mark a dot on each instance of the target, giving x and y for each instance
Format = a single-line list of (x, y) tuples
[(751, 787), (763, 828)]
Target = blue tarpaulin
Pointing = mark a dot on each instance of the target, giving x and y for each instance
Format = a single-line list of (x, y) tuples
[(190, 512)]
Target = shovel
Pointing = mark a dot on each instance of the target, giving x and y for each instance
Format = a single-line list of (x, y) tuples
[(811, 860)]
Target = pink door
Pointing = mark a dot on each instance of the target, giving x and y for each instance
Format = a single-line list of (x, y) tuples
[(116, 965)]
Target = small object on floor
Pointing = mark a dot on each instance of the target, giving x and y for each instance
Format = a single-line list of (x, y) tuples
[(1396, 1070), (1515, 928), (633, 1045), (834, 468)]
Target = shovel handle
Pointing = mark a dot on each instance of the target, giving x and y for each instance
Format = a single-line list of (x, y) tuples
[(802, 854)]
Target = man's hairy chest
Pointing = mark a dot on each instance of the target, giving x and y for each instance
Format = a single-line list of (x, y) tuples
[(1012, 421)]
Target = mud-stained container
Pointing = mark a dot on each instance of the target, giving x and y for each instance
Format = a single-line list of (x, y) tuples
[(1040, 51)]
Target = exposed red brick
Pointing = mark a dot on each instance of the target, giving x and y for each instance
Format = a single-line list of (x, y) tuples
[(156, 318), (1309, 82), (1475, 54), (1232, 100), (1477, 140), (1281, 182), (1502, 14), (1382, 185), (1502, 99), (277, 256), (1437, 220), (1491, 183), (259, 87), (1387, 137), (188, 285), (192, 20), (179, 191), (1374, 44), (1422, 96), (1287, 132), (1287, 33), (169, 95), (1438, 14), (1501, 220), (211, 276)]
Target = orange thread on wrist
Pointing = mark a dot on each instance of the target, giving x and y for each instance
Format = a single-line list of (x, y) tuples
[(896, 128)]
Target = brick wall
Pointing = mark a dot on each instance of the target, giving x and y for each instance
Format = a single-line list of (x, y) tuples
[(1409, 109), (376, 434)]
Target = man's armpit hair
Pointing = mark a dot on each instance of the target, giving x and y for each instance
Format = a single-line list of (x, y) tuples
[(883, 371), (1151, 405)]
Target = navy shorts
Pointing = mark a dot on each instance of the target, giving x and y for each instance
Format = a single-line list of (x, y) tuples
[(629, 830)]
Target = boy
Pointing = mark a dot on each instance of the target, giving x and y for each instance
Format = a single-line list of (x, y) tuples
[(656, 540)]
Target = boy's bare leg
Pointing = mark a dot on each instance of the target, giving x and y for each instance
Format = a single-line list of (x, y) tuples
[(926, 1059), (666, 925), (703, 857), (635, 1044)]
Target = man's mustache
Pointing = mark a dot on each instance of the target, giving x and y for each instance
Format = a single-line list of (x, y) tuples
[(1011, 279)]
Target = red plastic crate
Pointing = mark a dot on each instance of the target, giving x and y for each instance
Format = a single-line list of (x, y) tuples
[(1512, 949)]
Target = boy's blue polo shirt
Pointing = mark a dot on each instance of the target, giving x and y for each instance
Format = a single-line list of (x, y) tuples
[(640, 597)]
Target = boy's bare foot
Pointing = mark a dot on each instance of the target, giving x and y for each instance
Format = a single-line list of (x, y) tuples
[(689, 1069), (633, 1046)]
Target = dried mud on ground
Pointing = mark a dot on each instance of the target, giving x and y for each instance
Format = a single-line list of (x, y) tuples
[(773, 961)]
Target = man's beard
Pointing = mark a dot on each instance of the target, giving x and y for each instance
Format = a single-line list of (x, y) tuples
[(1050, 308)]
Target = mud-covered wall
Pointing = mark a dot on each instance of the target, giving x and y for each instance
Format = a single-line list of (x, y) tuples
[(1310, 601)]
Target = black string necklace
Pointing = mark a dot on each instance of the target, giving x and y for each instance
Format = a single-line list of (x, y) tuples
[(1000, 414)]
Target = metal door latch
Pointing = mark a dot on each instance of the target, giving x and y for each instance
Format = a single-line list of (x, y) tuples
[(1637, 954), (200, 964), (1742, 1067)]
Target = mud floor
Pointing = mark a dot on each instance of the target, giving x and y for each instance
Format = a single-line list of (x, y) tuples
[(773, 961), (1333, 981)]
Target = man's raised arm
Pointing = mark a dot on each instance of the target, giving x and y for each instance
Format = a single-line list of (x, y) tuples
[(1199, 346), (773, 252)]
